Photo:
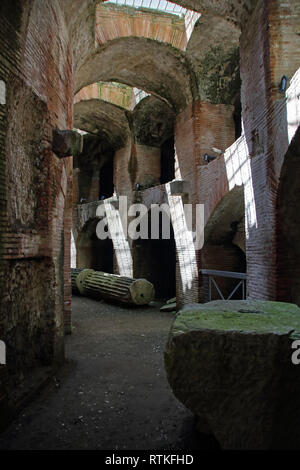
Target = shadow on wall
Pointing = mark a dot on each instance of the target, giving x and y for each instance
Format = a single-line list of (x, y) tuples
[(288, 226), (106, 180), (167, 172)]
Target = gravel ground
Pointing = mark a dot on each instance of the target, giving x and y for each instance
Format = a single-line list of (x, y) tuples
[(112, 392)]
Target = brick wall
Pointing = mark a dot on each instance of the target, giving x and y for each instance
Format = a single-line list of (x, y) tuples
[(264, 43), (114, 22), (284, 41), (120, 95), (269, 48), (136, 164), (213, 185), (288, 227), (68, 221), (198, 128), (36, 199), (224, 258), (36, 186)]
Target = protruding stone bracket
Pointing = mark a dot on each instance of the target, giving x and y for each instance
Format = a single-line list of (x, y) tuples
[(66, 143), (179, 187)]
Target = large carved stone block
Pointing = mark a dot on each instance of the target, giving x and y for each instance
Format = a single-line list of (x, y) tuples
[(230, 363)]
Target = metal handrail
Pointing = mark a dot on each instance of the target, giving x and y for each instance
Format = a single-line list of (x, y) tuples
[(228, 274), (215, 272)]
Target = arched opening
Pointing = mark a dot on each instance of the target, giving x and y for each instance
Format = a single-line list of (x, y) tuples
[(92, 252), (149, 65), (155, 260), (93, 171), (288, 227), (224, 248), (153, 126)]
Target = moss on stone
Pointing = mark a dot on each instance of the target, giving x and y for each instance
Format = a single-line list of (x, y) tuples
[(218, 75), (238, 315)]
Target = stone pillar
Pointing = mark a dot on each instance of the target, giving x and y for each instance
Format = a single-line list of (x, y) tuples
[(269, 49), (257, 127), (201, 127), (136, 164)]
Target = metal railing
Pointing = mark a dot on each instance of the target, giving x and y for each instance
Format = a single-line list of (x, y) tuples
[(160, 5), (212, 273)]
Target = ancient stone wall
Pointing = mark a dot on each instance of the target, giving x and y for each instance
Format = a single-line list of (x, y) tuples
[(201, 127), (263, 54), (36, 66), (136, 164), (288, 247)]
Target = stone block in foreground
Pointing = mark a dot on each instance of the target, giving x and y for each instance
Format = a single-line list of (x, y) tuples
[(230, 363)]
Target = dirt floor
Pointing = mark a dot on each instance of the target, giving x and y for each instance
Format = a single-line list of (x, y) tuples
[(112, 392)]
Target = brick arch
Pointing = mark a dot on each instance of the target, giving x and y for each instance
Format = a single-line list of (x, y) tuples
[(233, 10), (99, 25), (114, 93), (227, 215), (116, 21), (216, 61), (97, 116), (288, 226), (152, 121), (157, 68)]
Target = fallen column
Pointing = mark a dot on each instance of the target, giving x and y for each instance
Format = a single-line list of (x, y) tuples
[(80, 279), (77, 277), (74, 274), (123, 289), (101, 285)]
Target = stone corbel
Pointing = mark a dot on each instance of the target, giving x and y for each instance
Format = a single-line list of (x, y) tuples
[(66, 143), (179, 187)]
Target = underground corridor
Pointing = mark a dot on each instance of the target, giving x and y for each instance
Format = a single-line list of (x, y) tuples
[(112, 391), (149, 225)]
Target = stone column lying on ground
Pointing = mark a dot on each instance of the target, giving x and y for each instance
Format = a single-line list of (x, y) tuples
[(74, 274), (80, 279), (230, 363), (101, 285)]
